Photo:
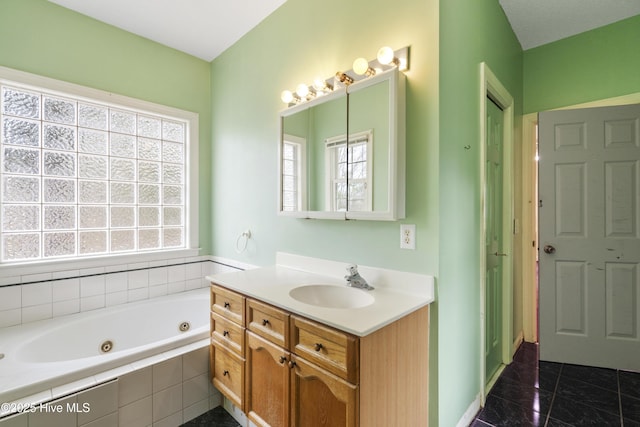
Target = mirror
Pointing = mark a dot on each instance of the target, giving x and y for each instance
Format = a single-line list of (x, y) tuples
[(324, 174), (304, 132)]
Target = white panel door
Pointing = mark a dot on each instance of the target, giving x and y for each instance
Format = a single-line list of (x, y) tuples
[(589, 183)]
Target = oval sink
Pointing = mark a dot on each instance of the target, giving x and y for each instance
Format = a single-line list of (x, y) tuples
[(331, 296)]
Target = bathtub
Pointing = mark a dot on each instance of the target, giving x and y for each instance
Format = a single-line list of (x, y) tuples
[(38, 359)]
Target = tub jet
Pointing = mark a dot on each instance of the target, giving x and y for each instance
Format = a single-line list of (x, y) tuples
[(106, 346), (184, 326)]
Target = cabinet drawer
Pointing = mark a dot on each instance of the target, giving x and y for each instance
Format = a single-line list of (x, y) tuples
[(335, 351), (227, 334), (228, 374), (228, 304), (269, 322)]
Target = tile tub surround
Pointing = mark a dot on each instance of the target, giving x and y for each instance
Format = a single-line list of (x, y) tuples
[(29, 298), (396, 293), (167, 393)]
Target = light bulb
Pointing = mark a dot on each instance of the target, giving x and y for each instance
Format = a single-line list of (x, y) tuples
[(302, 90), (386, 56), (286, 96), (360, 66), (321, 86)]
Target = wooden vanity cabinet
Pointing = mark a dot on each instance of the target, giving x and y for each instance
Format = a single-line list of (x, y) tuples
[(296, 372)]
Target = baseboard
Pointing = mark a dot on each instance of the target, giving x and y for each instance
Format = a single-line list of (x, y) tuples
[(516, 343), (236, 413), (470, 413)]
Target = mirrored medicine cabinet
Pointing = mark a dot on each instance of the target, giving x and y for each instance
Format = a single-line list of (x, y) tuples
[(342, 155)]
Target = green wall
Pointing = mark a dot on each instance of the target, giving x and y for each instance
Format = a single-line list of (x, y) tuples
[(598, 64), (43, 38), (480, 33), (295, 45)]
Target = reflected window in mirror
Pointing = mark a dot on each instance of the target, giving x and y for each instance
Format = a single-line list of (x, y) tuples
[(293, 173), (349, 168)]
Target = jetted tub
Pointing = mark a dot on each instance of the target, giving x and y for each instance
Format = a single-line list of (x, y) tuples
[(41, 356)]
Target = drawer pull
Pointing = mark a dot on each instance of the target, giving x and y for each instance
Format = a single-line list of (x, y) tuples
[(283, 359), (225, 373), (227, 304), (292, 364), (225, 333), (319, 346), (265, 322)]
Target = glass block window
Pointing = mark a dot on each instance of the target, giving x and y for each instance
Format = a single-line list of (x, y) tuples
[(83, 178), (349, 172)]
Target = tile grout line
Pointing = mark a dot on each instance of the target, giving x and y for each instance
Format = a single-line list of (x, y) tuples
[(553, 396), (619, 397)]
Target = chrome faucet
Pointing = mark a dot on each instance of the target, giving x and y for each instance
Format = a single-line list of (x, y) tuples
[(355, 280)]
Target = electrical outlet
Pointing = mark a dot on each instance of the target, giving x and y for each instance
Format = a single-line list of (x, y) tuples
[(407, 236)]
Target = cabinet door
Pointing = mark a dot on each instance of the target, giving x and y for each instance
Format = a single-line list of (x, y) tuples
[(321, 399), (267, 383)]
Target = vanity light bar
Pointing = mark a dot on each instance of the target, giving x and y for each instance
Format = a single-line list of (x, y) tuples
[(385, 59)]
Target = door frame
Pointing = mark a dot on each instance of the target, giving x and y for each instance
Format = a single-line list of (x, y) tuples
[(530, 207), (491, 87)]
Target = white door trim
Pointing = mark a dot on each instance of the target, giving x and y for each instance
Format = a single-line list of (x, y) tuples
[(529, 277), (491, 86)]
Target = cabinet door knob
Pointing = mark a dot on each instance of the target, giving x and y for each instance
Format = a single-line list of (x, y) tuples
[(225, 373), (225, 333), (265, 322), (292, 364), (319, 346), (227, 304), (283, 359)]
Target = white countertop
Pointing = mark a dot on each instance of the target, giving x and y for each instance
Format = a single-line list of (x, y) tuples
[(391, 300)]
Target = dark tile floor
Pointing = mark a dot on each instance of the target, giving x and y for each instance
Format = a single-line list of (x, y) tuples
[(533, 393), (217, 417)]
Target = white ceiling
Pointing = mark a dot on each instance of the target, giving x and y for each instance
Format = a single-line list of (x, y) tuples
[(205, 28), (202, 28), (538, 22)]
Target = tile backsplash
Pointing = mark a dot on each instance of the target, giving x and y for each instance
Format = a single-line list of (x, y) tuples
[(46, 295)]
